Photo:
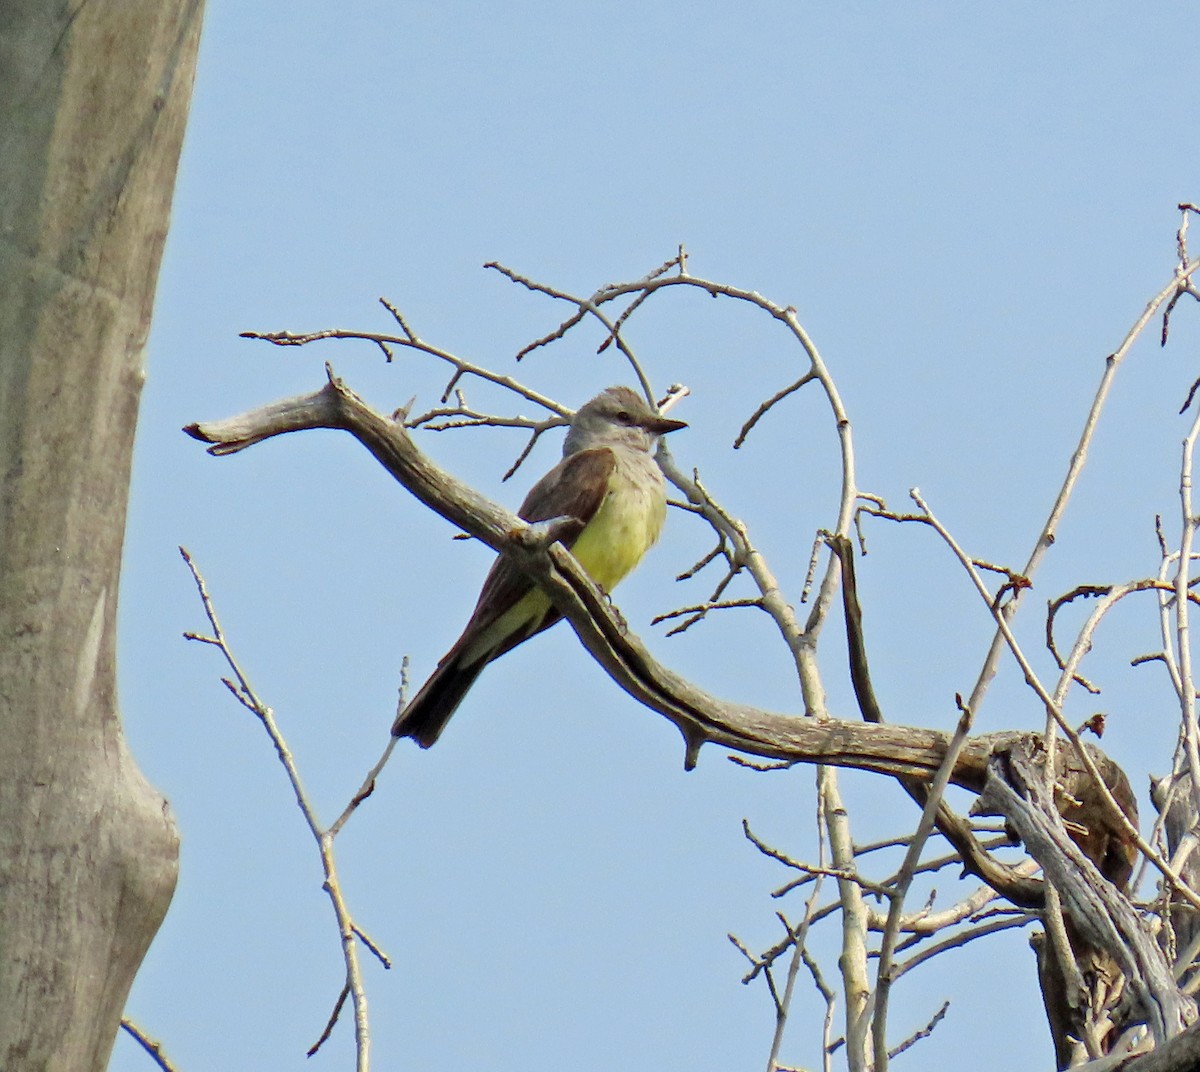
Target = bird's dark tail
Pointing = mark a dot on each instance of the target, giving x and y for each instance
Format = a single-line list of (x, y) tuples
[(426, 714)]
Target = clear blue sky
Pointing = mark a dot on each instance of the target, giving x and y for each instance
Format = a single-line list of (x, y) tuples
[(968, 204)]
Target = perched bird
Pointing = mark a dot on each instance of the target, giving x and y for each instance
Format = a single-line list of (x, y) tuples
[(608, 480)]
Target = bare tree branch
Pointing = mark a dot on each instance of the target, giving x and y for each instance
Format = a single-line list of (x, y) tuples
[(899, 751), (1017, 791), (1073, 802), (348, 931)]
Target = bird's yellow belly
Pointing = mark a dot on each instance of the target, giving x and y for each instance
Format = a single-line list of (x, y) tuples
[(625, 527)]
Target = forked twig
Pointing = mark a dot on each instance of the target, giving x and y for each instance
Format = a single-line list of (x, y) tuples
[(349, 931)]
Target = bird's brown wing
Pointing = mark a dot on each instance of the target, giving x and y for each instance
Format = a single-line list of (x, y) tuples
[(575, 487)]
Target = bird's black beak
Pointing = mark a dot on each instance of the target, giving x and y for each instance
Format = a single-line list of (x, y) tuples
[(663, 425)]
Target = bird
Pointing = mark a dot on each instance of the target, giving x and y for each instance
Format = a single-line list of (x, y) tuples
[(609, 481)]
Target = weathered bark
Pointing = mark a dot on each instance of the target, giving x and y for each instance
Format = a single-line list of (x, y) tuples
[(1088, 1003), (1183, 941), (1180, 1054), (93, 102), (1105, 936)]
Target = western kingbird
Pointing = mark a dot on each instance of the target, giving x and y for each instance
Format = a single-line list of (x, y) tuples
[(607, 479)]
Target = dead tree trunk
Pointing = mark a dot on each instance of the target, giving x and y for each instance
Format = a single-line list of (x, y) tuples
[(93, 102)]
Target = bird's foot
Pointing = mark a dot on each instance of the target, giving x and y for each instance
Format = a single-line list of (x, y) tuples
[(616, 612)]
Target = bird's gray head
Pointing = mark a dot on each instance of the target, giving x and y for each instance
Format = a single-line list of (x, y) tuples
[(617, 416)]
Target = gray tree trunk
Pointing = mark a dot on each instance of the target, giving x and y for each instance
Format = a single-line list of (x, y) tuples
[(93, 102)]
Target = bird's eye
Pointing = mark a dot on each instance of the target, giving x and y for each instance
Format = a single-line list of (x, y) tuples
[(625, 417)]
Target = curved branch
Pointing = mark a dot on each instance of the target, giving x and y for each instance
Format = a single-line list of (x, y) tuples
[(899, 751)]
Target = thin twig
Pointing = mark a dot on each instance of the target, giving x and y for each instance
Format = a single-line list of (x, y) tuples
[(799, 937), (924, 1033), (1055, 605), (1187, 539), (1116, 813), (245, 693), (331, 1022), (461, 367), (152, 1046), (1079, 457), (827, 993), (698, 611), (764, 407), (957, 941), (885, 975), (584, 306), (760, 765), (722, 548), (852, 963)]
